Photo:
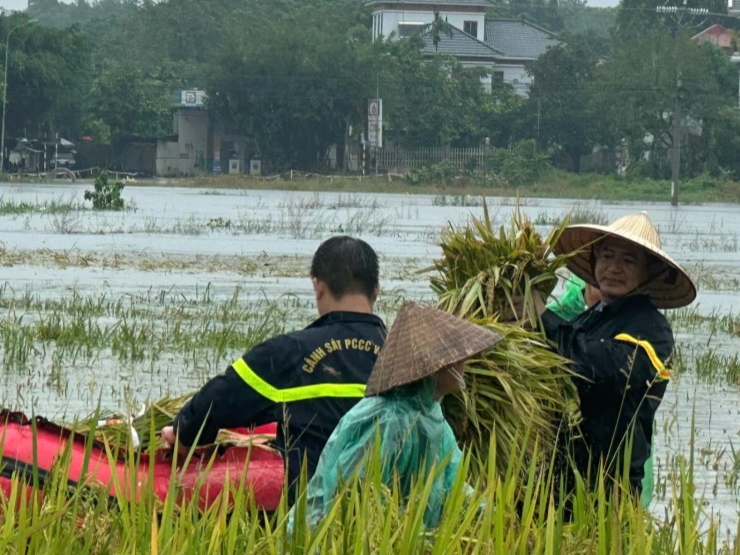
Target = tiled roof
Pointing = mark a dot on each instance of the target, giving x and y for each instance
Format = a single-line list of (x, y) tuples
[(438, 3), (518, 39), (460, 44)]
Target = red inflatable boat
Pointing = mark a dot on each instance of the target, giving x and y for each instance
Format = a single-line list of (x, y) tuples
[(207, 474)]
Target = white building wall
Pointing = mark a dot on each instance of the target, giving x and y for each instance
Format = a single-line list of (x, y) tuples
[(168, 160), (192, 131), (385, 22), (516, 76), (181, 157)]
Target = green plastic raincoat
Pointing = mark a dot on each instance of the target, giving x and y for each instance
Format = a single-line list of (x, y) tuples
[(568, 306), (413, 435)]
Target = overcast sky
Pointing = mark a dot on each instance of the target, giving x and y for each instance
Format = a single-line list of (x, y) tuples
[(14, 4), (23, 4)]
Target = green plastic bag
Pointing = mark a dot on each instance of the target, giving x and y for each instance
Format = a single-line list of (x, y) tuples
[(572, 302)]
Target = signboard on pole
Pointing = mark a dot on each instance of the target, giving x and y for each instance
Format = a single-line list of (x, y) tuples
[(375, 123)]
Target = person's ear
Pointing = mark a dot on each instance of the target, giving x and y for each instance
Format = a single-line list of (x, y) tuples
[(376, 293), (319, 288)]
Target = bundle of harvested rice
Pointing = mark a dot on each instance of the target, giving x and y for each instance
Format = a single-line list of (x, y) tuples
[(142, 430), (138, 430), (521, 389), (482, 270)]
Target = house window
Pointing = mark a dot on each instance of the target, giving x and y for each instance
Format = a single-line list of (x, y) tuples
[(409, 29), (471, 28), (498, 78)]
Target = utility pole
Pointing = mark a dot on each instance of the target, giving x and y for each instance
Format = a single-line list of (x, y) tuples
[(679, 17), (5, 88), (676, 147), (377, 95)]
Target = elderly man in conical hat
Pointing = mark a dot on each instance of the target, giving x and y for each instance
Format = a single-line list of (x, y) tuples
[(621, 346), (422, 360)]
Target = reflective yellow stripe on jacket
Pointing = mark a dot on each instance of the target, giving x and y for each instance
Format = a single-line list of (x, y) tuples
[(301, 393), (663, 372)]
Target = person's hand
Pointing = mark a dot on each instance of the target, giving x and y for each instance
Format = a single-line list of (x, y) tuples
[(170, 441), (168, 435), (519, 313)]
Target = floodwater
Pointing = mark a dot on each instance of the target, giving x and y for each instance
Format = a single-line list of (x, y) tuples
[(130, 252)]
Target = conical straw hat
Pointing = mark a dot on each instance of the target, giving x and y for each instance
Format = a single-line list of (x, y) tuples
[(670, 288), (421, 342)]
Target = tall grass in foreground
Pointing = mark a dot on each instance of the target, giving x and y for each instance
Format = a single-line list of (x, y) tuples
[(367, 518)]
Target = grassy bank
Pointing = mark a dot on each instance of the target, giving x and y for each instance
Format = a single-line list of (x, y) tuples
[(557, 184)]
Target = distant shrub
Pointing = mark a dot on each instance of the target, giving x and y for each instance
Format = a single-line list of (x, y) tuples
[(522, 164), (489, 180), (639, 169), (443, 172), (105, 196), (702, 182)]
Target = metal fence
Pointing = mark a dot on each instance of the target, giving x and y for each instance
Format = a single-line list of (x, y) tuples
[(399, 158)]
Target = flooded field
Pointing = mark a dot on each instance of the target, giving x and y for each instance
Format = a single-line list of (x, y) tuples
[(113, 309)]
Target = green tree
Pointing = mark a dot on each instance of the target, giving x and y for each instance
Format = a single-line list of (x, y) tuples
[(58, 14), (298, 95), (580, 19), (47, 70), (545, 13), (560, 98), (128, 102), (636, 91)]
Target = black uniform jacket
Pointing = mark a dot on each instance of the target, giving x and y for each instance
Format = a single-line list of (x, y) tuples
[(622, 350), (305, 381)]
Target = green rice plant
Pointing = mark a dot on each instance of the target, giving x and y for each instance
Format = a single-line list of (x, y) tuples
[(17, 342), (138, 329), (584, 214), (368, 516), (713, 365), (18, 208), (457, 200), (579, 214), (689, 319)]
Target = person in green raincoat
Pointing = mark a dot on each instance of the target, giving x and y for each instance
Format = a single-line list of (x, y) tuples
[(422, 360)]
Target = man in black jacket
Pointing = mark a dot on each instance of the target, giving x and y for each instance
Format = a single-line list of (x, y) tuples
[(620, 348), (304, 380)]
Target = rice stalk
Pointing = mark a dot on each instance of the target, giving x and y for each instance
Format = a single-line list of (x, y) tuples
[(522, 383)]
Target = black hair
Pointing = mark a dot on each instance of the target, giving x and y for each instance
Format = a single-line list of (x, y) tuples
[(347, 266)]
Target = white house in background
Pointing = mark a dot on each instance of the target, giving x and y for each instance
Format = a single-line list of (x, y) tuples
[(501, 46), (184, 152)]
